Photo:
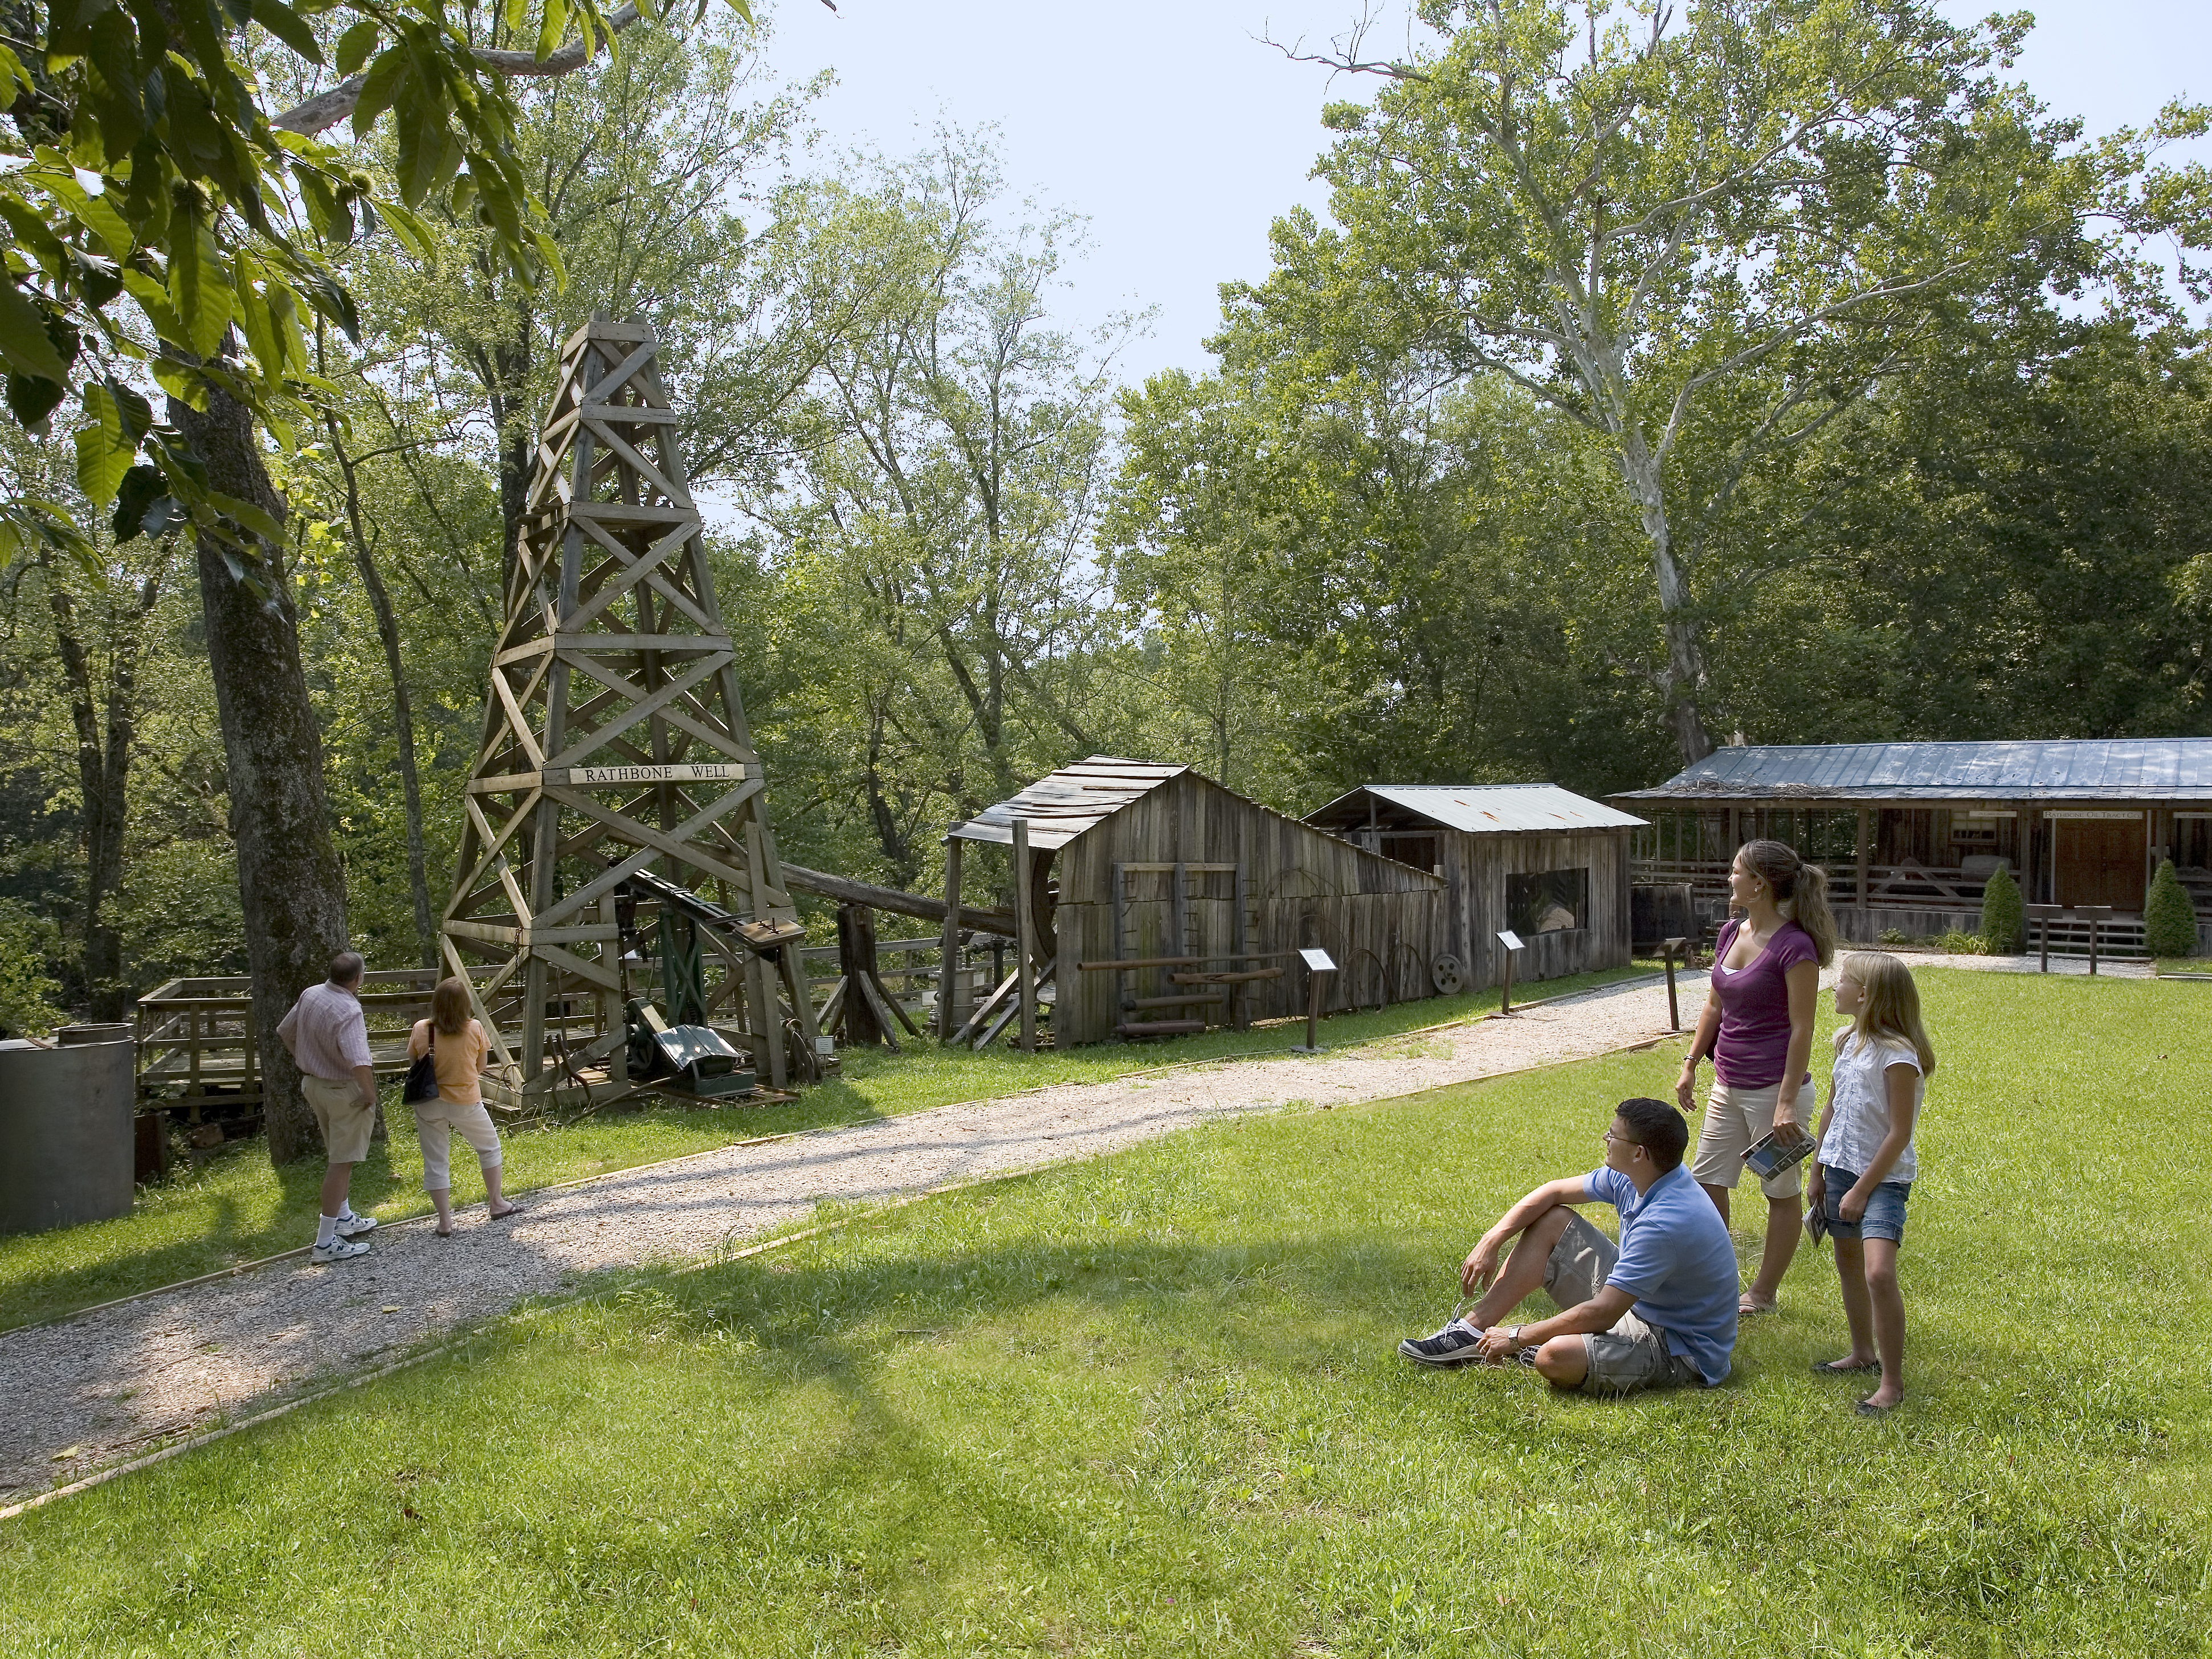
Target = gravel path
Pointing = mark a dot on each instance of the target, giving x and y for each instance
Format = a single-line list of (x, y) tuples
[(116, 1382)]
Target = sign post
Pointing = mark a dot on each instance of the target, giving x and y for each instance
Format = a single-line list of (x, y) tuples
[(1318, 962), (1511, 941), (1674, 1009)]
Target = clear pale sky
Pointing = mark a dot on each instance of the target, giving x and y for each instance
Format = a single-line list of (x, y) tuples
[(1181, 136)]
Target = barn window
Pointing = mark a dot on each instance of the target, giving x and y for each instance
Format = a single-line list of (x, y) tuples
[(1548, 901)]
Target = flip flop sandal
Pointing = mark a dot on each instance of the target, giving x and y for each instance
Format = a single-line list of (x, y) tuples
[(1837, 1368), (510, 1212), (1868, 1408), (1749, 1309)]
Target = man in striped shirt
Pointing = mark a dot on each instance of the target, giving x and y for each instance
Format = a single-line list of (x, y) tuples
[(327, 1035)]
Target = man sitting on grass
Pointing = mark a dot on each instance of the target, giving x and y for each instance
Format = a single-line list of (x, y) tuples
[(1675, 1267)]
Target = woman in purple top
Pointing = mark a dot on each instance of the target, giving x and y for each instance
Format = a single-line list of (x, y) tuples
[(1757, 1026)]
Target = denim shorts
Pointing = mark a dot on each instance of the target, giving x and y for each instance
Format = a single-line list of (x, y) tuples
[(1885, 1209)]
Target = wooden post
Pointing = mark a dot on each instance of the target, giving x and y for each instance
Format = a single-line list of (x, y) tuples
[(950, 983), (1673, 1008), (1313, 1012), (856, 961), (1025, 936), (1505, 996), (1866, 936), (1240, 1013)]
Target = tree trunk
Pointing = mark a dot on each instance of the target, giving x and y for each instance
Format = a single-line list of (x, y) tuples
[(402, 708), (103, 776), (289, 876), (1686, 678)]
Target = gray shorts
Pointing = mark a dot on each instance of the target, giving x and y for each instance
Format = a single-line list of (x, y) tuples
[(1632, 1355)]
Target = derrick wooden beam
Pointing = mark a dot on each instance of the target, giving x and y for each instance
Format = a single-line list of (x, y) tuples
[(845, 890)]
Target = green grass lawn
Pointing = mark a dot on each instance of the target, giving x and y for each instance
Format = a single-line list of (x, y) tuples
[(1148, 1405), (238, 1208)]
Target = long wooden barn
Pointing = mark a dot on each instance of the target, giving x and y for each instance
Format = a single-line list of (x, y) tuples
[(1532, 858), (1135, 861)]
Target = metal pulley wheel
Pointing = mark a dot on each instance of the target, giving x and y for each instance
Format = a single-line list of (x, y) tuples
[(1447, 976)]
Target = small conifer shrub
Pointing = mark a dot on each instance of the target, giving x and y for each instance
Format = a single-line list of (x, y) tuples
[(2004, 921), (2169, 919)]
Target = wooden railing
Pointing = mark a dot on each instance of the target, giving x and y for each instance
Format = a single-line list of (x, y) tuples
[(1909, 885)]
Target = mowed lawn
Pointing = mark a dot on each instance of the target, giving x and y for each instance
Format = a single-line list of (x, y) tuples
[(1149, 1405)]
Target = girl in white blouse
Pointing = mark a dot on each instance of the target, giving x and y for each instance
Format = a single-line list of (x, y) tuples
[(1866, 1166)]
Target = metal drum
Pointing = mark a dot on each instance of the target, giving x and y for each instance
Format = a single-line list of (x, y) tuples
[(65, 1133)]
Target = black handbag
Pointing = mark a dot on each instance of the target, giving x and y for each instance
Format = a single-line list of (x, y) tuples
[(421, 1083)]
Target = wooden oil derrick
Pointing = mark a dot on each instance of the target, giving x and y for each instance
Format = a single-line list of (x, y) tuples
[(614, 742)]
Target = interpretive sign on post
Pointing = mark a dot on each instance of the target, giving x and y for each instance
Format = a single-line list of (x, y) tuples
[(1511, 941), (1317, 962)]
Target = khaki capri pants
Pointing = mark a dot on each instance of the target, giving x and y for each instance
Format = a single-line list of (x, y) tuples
[(436, 1121), (1735, 1119)]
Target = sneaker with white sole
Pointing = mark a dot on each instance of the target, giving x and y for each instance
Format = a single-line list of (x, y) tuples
[(338, 1249), (1456, 1345), (353, 1226)]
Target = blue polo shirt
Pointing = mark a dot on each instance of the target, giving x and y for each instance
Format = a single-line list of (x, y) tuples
[(1677, 1261)]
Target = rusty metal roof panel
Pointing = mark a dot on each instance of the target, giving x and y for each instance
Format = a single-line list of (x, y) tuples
[(1486, 808), (2136, 769)]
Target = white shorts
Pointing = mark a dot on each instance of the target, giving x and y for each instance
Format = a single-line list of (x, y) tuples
[(436, 1121), (1735, 1118)]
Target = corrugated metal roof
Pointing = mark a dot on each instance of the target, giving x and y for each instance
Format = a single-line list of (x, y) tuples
[(2129, 768), (1485, 808), (1062, 805)]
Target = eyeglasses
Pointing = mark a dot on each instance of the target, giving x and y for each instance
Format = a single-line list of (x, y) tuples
[(1621, 1140)]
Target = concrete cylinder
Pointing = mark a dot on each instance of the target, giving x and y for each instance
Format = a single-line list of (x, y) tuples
[(65, 1133)]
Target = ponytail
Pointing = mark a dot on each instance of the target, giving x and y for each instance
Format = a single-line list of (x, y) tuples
[(1800, 891)]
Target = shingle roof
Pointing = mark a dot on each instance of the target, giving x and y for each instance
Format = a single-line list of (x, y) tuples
[(1486, 808), (2134, 768), (1062, 805)]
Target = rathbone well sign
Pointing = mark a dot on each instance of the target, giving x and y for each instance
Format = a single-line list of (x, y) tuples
[(576, 775)]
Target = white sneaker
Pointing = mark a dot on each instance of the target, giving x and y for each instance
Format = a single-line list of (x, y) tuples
[(353, 1226), (338, 1249)]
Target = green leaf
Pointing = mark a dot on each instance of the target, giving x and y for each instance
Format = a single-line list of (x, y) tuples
[(288, 25), (154, 299), (23, 339), (516, 11), (199, 286), (551, 27), (355, 45), (138, 489), (246, 514), (103, 450), (253, 314), (384, 77)]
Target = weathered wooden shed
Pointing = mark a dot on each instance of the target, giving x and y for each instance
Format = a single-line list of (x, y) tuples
[(1136, 861), (1531, 857)]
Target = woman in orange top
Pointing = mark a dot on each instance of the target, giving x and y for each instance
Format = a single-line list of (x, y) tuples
[(460, 1053)]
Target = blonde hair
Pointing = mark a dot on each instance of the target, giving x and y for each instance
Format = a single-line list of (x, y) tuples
[(449, 1006), (1889, 1004), (1800, 891)]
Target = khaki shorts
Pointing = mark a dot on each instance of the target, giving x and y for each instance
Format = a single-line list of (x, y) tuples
[(345, 1123), (1632, 1355), (1735, 1118), (436, 1121)]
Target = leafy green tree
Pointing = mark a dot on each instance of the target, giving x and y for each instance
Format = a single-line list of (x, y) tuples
[(165, 212), (2169, 919), (937, 608), (1703, 234)]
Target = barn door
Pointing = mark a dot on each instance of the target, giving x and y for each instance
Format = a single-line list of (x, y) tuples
[(2100, 862), (1175, 910)]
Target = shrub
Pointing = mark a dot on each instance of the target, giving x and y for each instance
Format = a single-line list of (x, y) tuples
[(1962, 944), (2004, 919), (1892, 936), (2169, 919)]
